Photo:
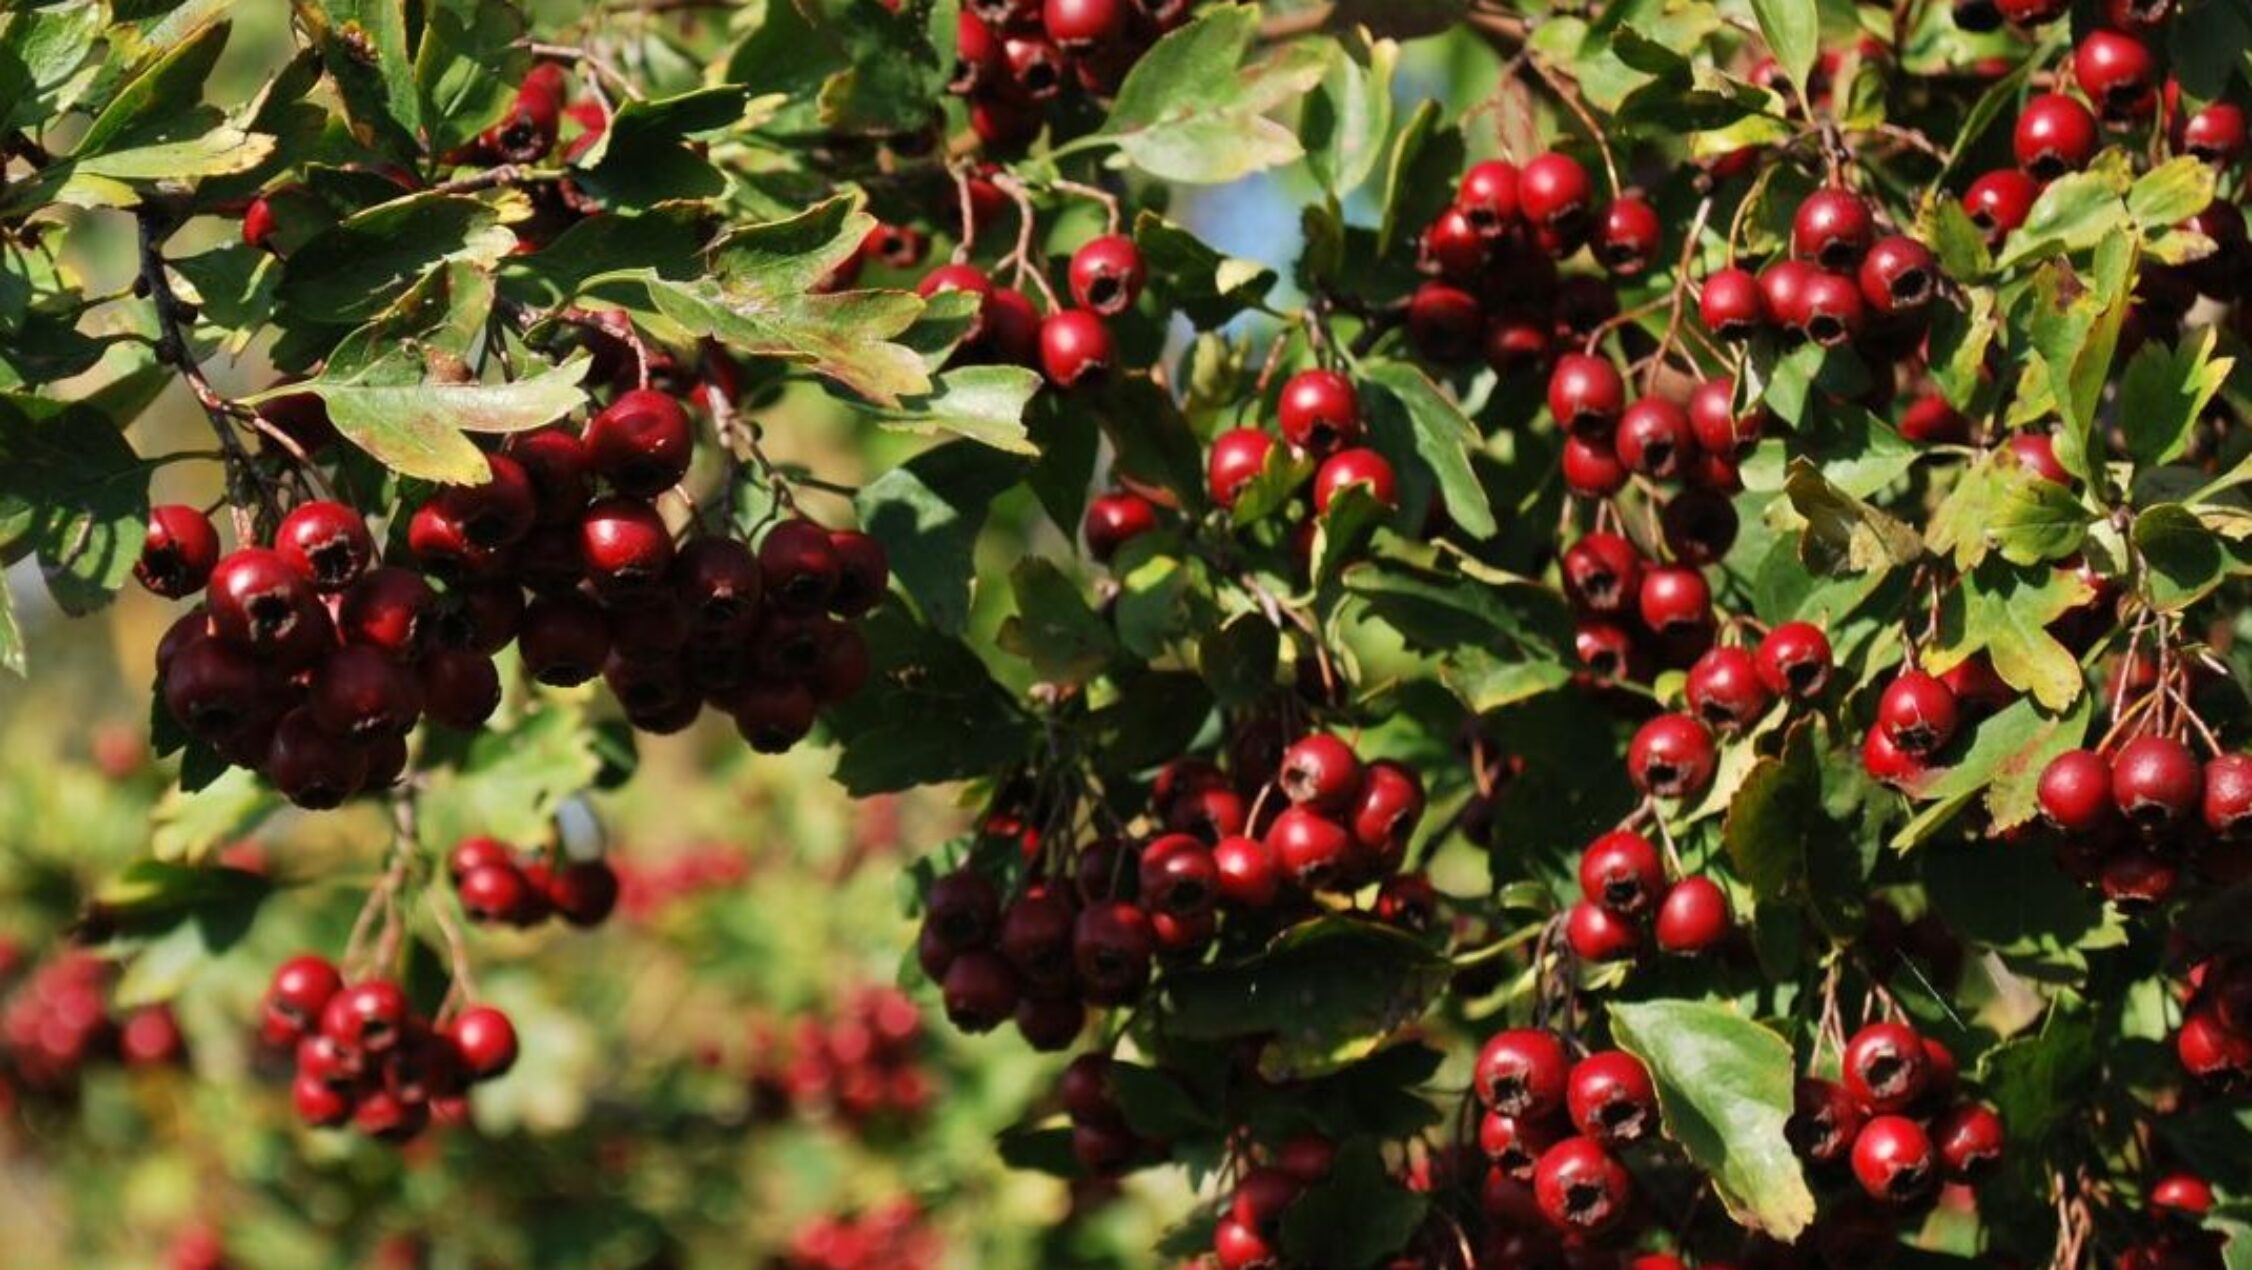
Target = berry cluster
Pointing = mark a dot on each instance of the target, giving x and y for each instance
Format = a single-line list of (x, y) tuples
[(1609, 442), (1554, 1124), (58, 1021), (2134, 812), (1728, 688), (365, 1058), (894, 1236), (1018, 62), (1624, 888), (496, 884), (1073, 348), (1101, 1141), (1896, 1118), (646, 891), (1318, 416), (1247, 1234), (1844, 283), (862, 1063)]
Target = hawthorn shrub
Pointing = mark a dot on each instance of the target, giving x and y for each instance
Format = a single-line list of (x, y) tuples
[(1659, 687)]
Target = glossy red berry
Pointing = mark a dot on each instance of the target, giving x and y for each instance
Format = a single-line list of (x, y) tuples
[(1592, 468), (2228, 794), (2156, 782), (1833, 228), (1083, 24), (1236, 1246), (1238, 455), (2210, 1049), (1674, 601), (1628, 236), (2181, 1195), (1969, 1139), (583, 893), (1554, 193), (1893, 1159), (1384, 813), (1523, 1072), (1319, 412), (179, 553), (1653, 439), (1489, 197), (310, 766), (1611, 1098), (1899, 275), (1581, 1187), (1320, 771), (1076, 348), (1446, 323), (1249, 877), (361, 695), (1671, 756), (1834, 311), (2216, 134), (1731, 304), (1726, 690), (1602, 572), (1112, 944), (980, 991), (1107, 275), (1516, 1143), (260, 604), (1179, 877), (1586, 395), (2117, 72), (1886, 1067), (1783, 292), (2055, 134), (641, 444), (1824, 1121), (1623, 872), (1694, 917), (1795, 660), (484, 1042), (1918, 713), (1309, 848), (298, 993), (1114, 519), (368, 1017), (2075, 791), (1999, 202), (1596, 934), (1356, 467), (799, 567), (1714, 421)]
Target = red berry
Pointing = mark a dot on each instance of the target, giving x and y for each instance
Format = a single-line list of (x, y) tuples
[(1602, 572), (2156, 782), (1725, 689), (1999, 202), (1310, 849), (584, 893), (1083, 24), (1580, 1187), (1179, 877), (367, 1018), (1885, 1066), (1488, 197), (1732, 304), (1674, 601), (494, 893), (1554, 193), (311, 767), (1075, 348), (1794, 660), (1671, 756), (799, 566), (1112, 944), (1597, 934), (1523, 1072), (1694, 918), (2117, 72), (1713, 419), (2228, 794), (1929, 420), (1249, 877), (1834, 312), (1628, 236), (1319, 412), (2211, 1050), (1832, 228), (1610, 1097), (484, 1041), (1783, 292), (1969, 1140), (1347, 468), (1238, 455), (1592, 468), (1586, 395), (565, 639), (2075, 791), (1447, 324), (1453, 247), (260, 604), (2036, 453), (964, 908), (1115, 518), (2055, 135), (641, 444), (1236, 1246), (1516, 1143), (1320, 771), (980, 991), (2215, 134), (1917, 713), (1035, 936), (179, 553), (1899, 275), (1893, 1159), (361, 695), (1654, 439), (1623, 872), (1888, 763), (2181, 1195), (298, 993), (1384, 814), (1824, 1121), (1107, 274)]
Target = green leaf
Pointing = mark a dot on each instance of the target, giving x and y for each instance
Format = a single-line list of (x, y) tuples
[(1187, 113), (2075, 324), (928, 512), (351, 270), (2171, 193), (2186, 558), (1444, 439), (1777, 807), (364, 48), (982, 403), (2032, 519), (188, 826), (511, 780), (2164, 392), (468, 69), (416, 428), (1793, 29), (2022, 1077), (2019, 904), (1348, 119), (2002, 760), (1155, 1105), (644, 157), (2073, 213), (2006, 609), (163, 103), (1329, 992), (1054, 628), (1238, 659), (1356, 1217), (73, 491), (47, 60), (929, 713), (1843, 533), (1724, 1086), (1419, 180), (1190, 276), (11, 635)]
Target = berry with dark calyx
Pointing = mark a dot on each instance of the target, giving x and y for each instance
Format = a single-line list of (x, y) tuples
[(493, 892), (1969, 1139), (1115, 518), (2228, 794), (1893, 1159), (1694, 917), (2117, 72), (1523, 1072), (641, 444), (1653, 438), (528, 131), (1887, 762), (258, 603), (2156, 782), (1581, 1187), (1320, 771), (717, 581), (1627, 237), (1384, 813), (1886, 1067), (460, 689), (1623, 872), (368, 1017), (1050, 1024), (2075, 791), (1238, 455), (1783, 292), (977, 55), (179, 553), (211, 687), (1357, 467), (1834, 312), (1489, 197), (1899, 275), (1319, 412), (1554, 193), (1671, 756), (1999, 202), (1107, 274), (1516, 1143), (312, 767), (1035, 936), (2216, 134), (1725, 689), (964, 908), (1918, 713), (1597, 934), (1586, 394), (1674, 601), (1309, 848), (565, 640), (1446, 323), (2133, 15), (484, 1042), (1832, 228), (1592, 468), (1605, 648), (1610, 1097), (1076, 348), (799, 566), (1111, 944), (954, 277), (1732, 305), (1824, 1121), (1038, 70), (1715, 423), (1179, 877), (863, 573), (1795, 660), (477, 520), (297, 994), (2055, 135), (1602, 572)]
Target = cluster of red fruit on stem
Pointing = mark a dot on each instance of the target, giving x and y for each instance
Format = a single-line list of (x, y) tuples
[(1322, 432), (364, 1057), (893, 1236), (498, 885), (1895, 1119), (1020, 63), (1553, 1125), (57, 1021), (1072, 347), (862, 1063), (1627, 897), (1250, 1225)]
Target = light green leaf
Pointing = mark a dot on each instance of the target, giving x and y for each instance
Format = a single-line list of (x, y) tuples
[(511, 781), (2171, 193), (1054, 628), (73, 491), (2164, 392), (416, 428), (983, 403), (1348, 119), (1187, 112), (1793, 29), (350, 271), (1444, 439)]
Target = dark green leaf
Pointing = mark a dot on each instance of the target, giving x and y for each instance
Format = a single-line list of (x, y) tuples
[(1327, 993), (927, 513), (73, 491)]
